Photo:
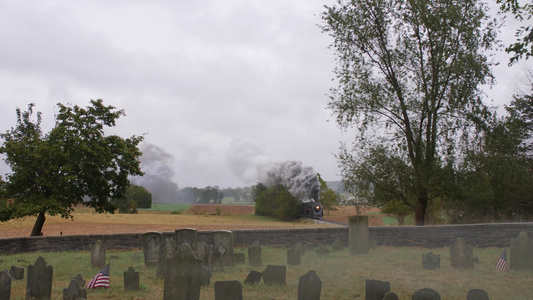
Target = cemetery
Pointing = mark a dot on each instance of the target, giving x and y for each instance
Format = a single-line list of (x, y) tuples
[(189, 264)]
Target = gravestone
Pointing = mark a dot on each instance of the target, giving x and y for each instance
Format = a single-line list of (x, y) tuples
[(79, 279), (254, 256), (97, 255), (239, 258), (461, 255), (74, 291), (228, 290), (183, 280), (309, 286), (274, 275), (131, 280), (322, 250), (425, 294), (431, 261), (293, 257), (376, 289), (16, 272), (151, 246), (204, 253), (337, 245), (166, 251), (186, 235), (253, 278), (223, 244), (359, 237), (521, 256), (39, 280), (477, 294), (391, 296), (5, 285)]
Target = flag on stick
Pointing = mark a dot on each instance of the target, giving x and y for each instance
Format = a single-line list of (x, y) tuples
[(501, 265), (101, 279)]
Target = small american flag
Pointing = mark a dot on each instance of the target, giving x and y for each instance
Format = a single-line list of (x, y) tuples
[(101, 279), (501, 265)]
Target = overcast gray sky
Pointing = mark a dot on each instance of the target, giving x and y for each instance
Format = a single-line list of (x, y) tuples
[(208, 82)]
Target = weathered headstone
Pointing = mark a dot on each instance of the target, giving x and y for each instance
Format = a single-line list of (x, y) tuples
[(391, 296), (5, 285), (239, 258), (477, 294), (275, 275), (376, 289), (322, 250), (521, 256), (254, 256), (79, 279), (309, 286), (204, 253), (183, 280), (426, 294), (186, 235), (131, 280), (431, 261), (74, 291), (461, 255), (151, 245), (253, 278), (16, 272), (97, 255), (166, 251), (39, 280), (293, 257), (337, 245), (223, 244), (359, 237), (228, 290)]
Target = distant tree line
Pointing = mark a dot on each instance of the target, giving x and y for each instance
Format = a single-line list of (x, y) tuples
[(213, 194)]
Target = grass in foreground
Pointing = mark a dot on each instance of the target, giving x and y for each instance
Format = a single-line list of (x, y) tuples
[(343, 275)]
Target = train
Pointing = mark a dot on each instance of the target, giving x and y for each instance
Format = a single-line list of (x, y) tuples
[(312, 210)]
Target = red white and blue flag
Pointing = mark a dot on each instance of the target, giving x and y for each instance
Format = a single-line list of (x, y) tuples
[(101, 279), (502, 265)]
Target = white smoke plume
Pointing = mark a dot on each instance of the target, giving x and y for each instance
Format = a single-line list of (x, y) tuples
[(247, 162)]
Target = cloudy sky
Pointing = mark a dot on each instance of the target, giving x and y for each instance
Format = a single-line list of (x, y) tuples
[(208, 82)]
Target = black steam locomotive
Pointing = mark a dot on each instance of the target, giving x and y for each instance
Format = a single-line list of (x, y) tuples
[(312, 210)]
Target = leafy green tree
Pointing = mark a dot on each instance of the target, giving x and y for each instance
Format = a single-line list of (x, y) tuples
[(276, 201), (327, 197), (141, 196), (524, 35), (75, 163), (409, 75)]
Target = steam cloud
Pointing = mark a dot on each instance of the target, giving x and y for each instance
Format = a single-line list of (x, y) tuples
[(250, 165), (157, 177)]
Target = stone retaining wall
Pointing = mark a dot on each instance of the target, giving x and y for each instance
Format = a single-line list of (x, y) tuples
[(478, 235)]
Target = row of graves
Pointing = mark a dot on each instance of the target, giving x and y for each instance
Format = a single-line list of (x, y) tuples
[(187, 264)]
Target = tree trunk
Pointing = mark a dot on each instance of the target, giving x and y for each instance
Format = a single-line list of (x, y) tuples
[(38, 226), (420, 210)]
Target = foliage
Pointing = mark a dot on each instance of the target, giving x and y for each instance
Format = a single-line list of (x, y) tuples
[(409, 75), (136, 197), (524, 35), (209, 194), (75, 163), (398, 210), (327, 197), (276, 201)]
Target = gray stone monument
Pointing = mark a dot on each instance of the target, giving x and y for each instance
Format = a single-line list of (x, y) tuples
[(309, 286), (425, 294), (293, 257), (16, 272), (253, 278), (430, 261), (228, 290), (391, 296), (131, 280), (376, 289), (97, 255), (151, 246), (359, 237), (275, 275), (322, 250), (39, 280), (186, 235), (239, 258), (166, 251), (223, 244), (254, 256), (5, 285), (204, 253), (79, 279), (74, 291), (477, 294), (461, 255), (183, 281), (521, 256)]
